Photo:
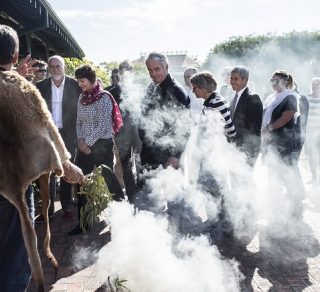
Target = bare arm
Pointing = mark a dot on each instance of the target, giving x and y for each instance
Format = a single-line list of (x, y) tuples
[(283, 120)]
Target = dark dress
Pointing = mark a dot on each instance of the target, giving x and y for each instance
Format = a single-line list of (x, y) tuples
[(284, 140)]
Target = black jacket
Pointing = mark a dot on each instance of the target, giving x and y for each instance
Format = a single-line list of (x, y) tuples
[(70, 98), (164, 98), (247, 119)]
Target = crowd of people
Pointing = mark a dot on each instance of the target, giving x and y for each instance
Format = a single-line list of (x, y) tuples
[(96, 128)]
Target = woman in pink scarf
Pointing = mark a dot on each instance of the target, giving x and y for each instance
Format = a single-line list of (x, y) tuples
[(98, 118)]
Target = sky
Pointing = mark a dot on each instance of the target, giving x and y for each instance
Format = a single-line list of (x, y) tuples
[(109, 30)]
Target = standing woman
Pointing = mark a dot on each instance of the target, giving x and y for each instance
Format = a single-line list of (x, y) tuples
[(204, 86), (313, 131), (94, 132), (279, 115), (280, 133)]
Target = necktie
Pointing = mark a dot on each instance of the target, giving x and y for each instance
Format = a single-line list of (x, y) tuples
[(233, 104)]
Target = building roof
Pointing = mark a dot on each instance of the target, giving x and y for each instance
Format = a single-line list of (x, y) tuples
[(40, 30)]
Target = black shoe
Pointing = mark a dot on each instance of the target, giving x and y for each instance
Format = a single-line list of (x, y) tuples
[(77, 230), (40, 218)]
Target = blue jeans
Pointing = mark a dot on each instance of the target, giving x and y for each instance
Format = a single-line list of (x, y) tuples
[(15, 271)]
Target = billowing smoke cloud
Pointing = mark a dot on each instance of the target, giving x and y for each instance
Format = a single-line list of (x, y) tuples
[(144, 253), (169, 125), (132, 94), (296, 59), (151, 248), (270, 197)]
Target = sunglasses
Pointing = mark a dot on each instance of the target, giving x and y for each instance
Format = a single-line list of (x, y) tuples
[(42, 70)]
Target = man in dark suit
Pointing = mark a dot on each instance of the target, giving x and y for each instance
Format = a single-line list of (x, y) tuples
[(164, 94), (246, 112), (61, 94)]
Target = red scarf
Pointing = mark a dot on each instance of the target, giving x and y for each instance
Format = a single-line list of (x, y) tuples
[(117, 122), (89, 97)]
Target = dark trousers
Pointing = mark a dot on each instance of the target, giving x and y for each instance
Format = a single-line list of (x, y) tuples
[(101, 153), (15, 271), (65, 194), (127, 140), (128, 177)]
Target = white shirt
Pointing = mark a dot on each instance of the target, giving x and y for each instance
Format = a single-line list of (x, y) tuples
[(239, 95), (196, 106), (57, 95)]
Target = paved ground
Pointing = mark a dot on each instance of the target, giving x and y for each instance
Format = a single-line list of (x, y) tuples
[(294, 265)]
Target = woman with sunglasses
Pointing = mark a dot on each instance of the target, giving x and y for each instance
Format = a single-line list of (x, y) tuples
[(279, 117), (281, 142)]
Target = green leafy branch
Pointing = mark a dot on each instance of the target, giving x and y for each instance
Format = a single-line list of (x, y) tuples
[(96, 190)]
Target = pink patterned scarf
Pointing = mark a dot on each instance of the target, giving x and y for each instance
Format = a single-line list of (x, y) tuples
[(89, 97), (117, 122)]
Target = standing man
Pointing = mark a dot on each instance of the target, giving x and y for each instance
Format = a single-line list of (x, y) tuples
[(127, 140), (196, 104), (226, 90), (61, 94), (246, 112), (15, 271), (114, 88), (41, 73), (164, 101)]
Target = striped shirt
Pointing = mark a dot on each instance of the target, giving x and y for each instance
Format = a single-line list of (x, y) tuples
[(217, 102), (94, 121), (314, 114)]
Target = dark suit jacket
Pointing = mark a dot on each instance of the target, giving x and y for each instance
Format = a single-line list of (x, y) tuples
[(170, 94), (70, 98), (247, 120)]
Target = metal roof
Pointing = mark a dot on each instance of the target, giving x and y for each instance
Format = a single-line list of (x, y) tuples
[(39, 28)]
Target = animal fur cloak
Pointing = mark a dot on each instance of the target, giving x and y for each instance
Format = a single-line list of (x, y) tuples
[(30, 144)]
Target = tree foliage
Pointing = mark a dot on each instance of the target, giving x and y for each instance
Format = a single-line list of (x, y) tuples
[(73, 63), (108, 66), (305, 44)]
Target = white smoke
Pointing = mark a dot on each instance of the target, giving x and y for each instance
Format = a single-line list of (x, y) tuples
[(144, 253), (132, 93), (148, 250)]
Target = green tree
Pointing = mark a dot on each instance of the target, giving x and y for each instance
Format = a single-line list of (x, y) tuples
[(305, 44), (73, 63), (109, 66)]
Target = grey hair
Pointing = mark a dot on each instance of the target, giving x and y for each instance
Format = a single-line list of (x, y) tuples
[(242, 70), (155, 56), (205, 81), (192, 70), (57, 57)]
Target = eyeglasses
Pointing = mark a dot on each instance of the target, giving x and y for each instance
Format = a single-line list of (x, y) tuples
[(42, 70)]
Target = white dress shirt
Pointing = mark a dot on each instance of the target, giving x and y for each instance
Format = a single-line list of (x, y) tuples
[(57, 95), (239, 93)]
